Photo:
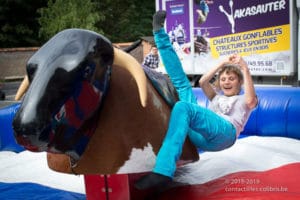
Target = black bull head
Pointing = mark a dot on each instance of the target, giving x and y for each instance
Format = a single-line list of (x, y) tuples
[(68, 77)]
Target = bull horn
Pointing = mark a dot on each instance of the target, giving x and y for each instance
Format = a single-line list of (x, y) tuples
[(123, 59), (22, 89)]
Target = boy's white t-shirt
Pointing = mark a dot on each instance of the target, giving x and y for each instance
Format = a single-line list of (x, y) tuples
[(233, 109)]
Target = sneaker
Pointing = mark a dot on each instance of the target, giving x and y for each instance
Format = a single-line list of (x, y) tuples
[(152, 180), (159, 20)]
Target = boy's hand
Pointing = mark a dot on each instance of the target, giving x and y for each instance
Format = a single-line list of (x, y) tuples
[(237, 59)]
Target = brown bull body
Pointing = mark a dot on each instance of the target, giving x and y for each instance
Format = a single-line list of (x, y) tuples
[(123, 124)]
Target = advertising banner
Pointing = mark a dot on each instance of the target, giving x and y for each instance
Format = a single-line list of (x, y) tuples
[(205, 31), (178, 26)]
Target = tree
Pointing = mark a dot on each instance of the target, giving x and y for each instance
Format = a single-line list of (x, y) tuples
[(25, 23), (18, 22), (126, 21), (63, 14), (119, 20)]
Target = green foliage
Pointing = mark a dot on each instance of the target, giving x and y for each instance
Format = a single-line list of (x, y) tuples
[(126, 21), (25, 23), (18, 24), (63, 14)]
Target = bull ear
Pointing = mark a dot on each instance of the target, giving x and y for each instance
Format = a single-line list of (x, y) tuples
[(22, 89), (126, 61)]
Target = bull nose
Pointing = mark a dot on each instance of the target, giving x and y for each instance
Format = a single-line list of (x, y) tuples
[(23, 127), (30, 135), (26, 143), (32, 143)]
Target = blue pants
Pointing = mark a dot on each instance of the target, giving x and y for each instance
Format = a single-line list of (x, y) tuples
[(206, 130)]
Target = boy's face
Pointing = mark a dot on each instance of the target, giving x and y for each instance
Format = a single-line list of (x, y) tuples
[(229, 83)]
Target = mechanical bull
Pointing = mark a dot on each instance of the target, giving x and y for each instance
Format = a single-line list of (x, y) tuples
[(92, 108)]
